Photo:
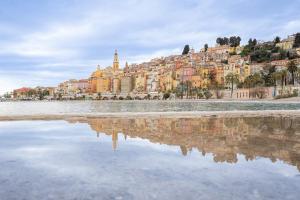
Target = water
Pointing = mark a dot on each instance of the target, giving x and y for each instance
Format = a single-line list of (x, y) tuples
[(82, 107), (105, 158)]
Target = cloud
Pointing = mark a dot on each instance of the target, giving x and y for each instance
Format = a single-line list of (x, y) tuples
[(147, 57), (66, 38), (292, 26)]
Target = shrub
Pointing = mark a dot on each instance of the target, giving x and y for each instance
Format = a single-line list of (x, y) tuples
[(166, 96), (295, 92), (200, 95), (155, 97), (282, 96), (208, 94)]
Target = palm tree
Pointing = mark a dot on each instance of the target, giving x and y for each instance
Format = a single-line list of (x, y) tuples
[(276, 76), (292, 68), (212, 77), (253, 81), (283, 77), (232, 79), (248, 82), (257, 79), (298, 74)]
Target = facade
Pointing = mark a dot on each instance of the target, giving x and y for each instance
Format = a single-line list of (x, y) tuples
[(126, 84), (287, 44), (94, 79), (197, 81), (187, 73), (166, 81), (21, 93), (254, 93), (83, 85), (140, 83), (116, 85), (152, 82), (103, 85)]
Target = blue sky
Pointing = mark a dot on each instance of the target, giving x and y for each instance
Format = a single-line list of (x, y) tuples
[(43, 42)]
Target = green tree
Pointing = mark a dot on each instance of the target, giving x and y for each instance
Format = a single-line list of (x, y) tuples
[(59, 96), (276, 76), (207, 94), (235, 41), (298, 74), (232, 79), (7, 95), (257, 80), (248, 81), (292, 68), (166, 96), (277, 39), (205, 47), (222, 41), (267, 75), (212, 77), (199, 93), (188, 85), (99, 96), (284, 74), (297, 41), (186, 49)]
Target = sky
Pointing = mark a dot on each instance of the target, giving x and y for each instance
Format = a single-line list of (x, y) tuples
[(44, 42)]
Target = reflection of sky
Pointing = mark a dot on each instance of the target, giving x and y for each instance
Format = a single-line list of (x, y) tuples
[(39, 159)]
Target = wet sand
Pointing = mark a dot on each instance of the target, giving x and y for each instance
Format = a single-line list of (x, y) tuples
[(187, 114)]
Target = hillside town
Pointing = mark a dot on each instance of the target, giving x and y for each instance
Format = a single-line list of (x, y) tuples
[(257, 70)]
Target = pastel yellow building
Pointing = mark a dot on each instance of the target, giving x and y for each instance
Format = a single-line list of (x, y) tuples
[(100, 81), (287, 43), (103, 85), (166, 81), (204, 73), (220, 74), (94, 79), (116, 87), (140, 82), (197, 81), (246, 71)]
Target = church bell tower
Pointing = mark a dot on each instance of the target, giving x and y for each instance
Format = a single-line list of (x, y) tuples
[(116, 64)]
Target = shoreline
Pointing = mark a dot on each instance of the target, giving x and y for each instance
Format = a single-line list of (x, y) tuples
[(153, 115), (283, 100)]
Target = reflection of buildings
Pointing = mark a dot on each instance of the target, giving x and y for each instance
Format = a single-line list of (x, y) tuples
[(225, 138)]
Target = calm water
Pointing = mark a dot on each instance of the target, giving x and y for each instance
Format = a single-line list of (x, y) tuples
[(28, 108), (208, 158)]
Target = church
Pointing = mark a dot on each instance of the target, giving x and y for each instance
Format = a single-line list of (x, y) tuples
[(108, 80)]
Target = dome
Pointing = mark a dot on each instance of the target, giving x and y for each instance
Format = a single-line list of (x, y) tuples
[(98, 73)]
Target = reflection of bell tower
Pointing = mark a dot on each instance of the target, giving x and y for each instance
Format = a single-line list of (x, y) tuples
[(184, 150), (115, 140), (116, 61)]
